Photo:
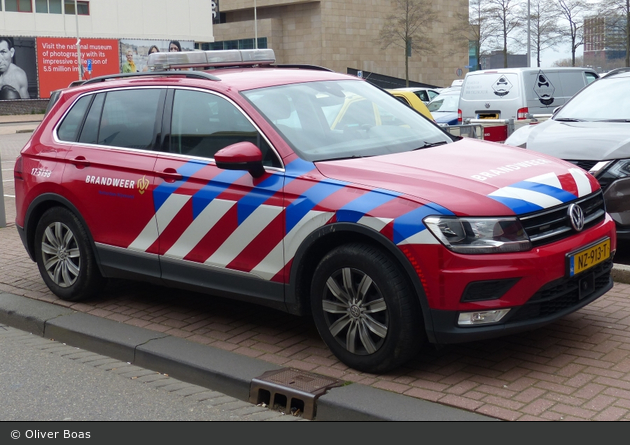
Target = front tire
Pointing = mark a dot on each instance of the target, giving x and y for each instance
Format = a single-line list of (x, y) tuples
[(65, 257), (364, 309)]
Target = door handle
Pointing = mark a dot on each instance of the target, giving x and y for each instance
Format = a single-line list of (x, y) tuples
[(170, 175), (80, 162)]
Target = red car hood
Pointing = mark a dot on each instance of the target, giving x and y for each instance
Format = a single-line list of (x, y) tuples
[(470, 177)]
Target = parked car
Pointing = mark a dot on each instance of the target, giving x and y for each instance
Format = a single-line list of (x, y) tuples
[(517, 93), (444, 107), (424, 94), (411, 100), (592, 131), (231, 181)]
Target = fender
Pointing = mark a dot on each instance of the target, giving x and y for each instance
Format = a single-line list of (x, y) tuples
[(295, 302), (44, 201)]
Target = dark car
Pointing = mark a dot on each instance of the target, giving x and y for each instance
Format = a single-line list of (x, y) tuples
[(592, 131)]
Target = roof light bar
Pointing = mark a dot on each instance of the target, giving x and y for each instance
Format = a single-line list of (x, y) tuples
[(192, 59)]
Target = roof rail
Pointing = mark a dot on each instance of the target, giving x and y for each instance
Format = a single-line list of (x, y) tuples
[(304, 66), (191, 74), (623, 69), (209, 59)]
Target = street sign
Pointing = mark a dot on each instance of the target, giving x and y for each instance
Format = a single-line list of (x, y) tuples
[(89, 66), (359, 73)]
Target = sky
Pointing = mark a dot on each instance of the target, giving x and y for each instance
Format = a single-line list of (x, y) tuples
[(548, 57)]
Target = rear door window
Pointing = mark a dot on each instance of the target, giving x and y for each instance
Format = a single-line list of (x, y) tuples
[(130, 118)]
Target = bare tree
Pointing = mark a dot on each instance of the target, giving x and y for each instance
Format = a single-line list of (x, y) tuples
[(617, 13), (473, 25), (544, 28), (505, 19), (407, 28), (569, 62), (572, 11)]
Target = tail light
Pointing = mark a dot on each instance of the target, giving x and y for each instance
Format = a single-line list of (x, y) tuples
[(17, 169), (522, 113), (459, 117)]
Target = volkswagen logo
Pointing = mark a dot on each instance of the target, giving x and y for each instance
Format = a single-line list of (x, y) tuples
[(487, 105), (576, 216)]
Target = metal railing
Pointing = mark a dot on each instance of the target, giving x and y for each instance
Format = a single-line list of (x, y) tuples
[(3, 216)]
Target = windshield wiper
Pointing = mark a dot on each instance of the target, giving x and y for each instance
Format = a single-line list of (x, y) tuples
[(613, 120), (568, 119), (431, 144)]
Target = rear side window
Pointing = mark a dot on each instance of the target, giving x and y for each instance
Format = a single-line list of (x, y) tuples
[(130, 118), (89, 135), (69, 128)]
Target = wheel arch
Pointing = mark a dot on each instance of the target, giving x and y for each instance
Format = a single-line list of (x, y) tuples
[(35, 211), (321, 241)]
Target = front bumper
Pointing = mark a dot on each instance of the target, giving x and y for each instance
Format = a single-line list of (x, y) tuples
[(553, 301), (536, 286)]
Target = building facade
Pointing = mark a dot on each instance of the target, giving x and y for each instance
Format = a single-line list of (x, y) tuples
[(604, 38), (343, 35)]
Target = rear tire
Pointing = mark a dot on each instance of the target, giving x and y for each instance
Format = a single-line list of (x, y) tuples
[(65, 257), (364, 309)]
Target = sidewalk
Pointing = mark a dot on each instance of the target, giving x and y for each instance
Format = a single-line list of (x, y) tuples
[(577, 368)]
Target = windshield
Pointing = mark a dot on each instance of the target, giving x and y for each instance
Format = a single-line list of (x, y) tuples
[(343, 119), (444, 103), (600, 101)]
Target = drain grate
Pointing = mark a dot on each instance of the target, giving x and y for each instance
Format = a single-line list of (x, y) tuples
[(293, 390)]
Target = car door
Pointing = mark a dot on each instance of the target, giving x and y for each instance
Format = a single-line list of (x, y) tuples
[(218, 229), (109, 172)]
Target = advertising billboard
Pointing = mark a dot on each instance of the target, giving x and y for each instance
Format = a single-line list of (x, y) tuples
[(57, 61)]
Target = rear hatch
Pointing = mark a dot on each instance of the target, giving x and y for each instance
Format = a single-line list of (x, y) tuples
[(491, 95)]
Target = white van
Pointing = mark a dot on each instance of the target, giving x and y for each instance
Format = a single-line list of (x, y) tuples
[(513, 93)]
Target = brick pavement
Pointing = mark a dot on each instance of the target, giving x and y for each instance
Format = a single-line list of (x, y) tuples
[(577, 368)]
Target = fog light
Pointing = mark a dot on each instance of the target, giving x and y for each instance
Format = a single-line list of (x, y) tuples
[(481, 317)]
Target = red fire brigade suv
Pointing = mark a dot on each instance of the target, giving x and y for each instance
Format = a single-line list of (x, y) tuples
[(312, 192)]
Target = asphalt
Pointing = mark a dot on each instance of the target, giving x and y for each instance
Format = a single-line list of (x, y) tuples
[(217, 369)]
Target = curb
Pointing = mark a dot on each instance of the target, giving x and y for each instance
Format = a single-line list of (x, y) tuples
[(620, 273), (210, 367)]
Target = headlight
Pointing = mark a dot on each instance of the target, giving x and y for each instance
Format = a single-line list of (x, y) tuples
[(611, 169), (479, 235), (608, 172)]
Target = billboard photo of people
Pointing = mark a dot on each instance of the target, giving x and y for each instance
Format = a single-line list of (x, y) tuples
[(134, 53), (18, 74)]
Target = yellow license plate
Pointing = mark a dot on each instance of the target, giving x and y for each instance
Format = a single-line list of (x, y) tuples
[(488, 116), (589, 257)]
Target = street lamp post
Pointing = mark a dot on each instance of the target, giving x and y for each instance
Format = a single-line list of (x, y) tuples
[(529, 48), (255, 27), (76, 16)]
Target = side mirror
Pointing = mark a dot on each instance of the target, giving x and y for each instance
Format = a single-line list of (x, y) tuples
[(241, 156)]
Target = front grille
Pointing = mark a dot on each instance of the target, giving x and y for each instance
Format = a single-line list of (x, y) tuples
[(550, 225), (562, 294), (586, 165)]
